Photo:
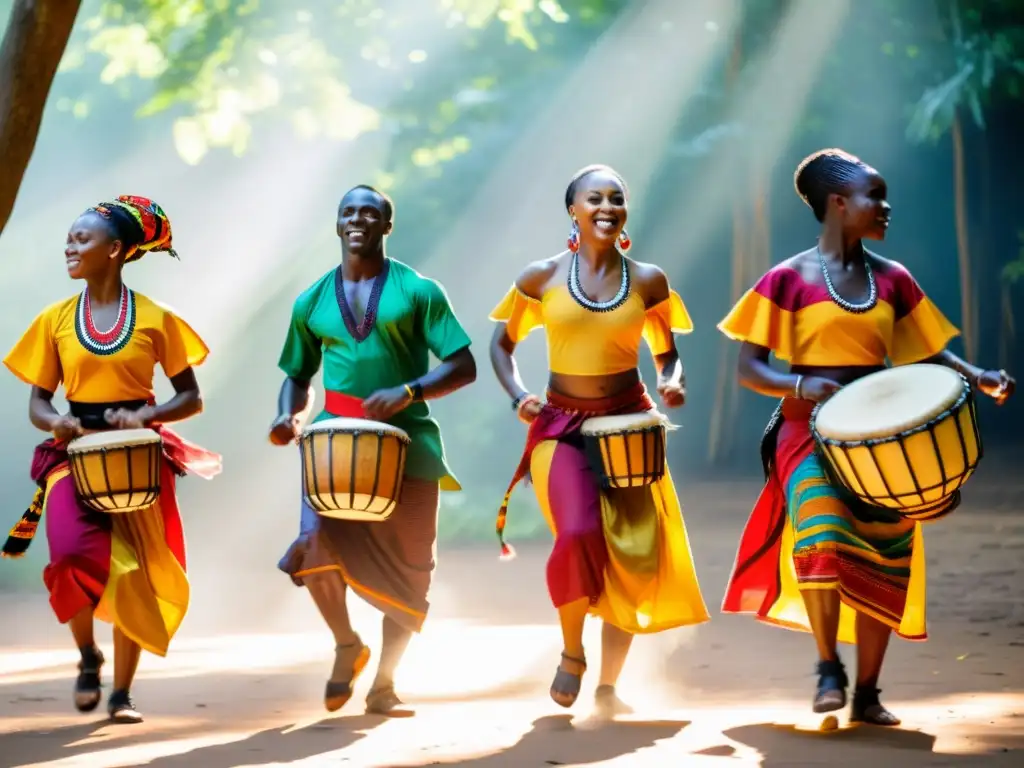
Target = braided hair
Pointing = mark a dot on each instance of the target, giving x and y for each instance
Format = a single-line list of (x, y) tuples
[(570, 191), (139, 223), (826, 172), (386, 204)]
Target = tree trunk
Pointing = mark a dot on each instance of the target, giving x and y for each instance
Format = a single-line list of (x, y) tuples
[(727, 358), (967, 314), (37, 34)]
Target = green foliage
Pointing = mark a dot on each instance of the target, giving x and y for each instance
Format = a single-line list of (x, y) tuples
[(219, 65), (1014, 271), (981, 58)]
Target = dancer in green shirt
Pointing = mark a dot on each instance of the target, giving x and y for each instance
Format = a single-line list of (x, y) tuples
[(372, 324)]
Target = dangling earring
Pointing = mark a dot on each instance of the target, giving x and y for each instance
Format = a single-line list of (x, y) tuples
[(574, 237), (624, 242)]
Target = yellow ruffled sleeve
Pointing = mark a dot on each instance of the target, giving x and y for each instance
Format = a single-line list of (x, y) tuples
[(921, 330), (664, 319), (34, 358), (761, 317), (179, 346), (520, 313)]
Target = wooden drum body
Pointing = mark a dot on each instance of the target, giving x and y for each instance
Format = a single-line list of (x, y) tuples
[(904, 438), (352, 469), (626, 451), (117, 471)]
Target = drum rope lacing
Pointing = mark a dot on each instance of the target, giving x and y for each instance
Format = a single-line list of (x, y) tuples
[(576, 289), (849, 306)]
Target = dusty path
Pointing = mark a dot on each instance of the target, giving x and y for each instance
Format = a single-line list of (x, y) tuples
[(239, 692)]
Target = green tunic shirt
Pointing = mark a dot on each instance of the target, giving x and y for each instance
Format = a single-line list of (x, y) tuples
[(414, 318)]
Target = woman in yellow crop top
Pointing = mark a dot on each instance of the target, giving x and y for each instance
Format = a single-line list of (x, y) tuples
[(622, 555), (811, 558), (127, 569)]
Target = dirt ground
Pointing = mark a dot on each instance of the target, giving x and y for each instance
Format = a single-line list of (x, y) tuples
[(242, 684)]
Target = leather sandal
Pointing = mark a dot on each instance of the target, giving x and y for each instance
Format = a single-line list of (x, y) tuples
[(832, 682), (868, 709), (87, 685), (122, 709), (382, 700), (565, 688), (607, 703), (338, 692)]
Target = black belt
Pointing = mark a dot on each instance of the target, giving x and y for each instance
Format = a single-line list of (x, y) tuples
[(91, 414)]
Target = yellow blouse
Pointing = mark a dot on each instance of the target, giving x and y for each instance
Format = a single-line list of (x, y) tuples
[(49, 353), (801, 324), (583, 342)]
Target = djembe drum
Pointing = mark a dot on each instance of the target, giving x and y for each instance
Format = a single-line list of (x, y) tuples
[(626, 451), (352, 469), (904, 439), (117, 471)]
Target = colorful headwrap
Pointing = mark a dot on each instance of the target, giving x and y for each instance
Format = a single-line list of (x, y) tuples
[(141, 222)]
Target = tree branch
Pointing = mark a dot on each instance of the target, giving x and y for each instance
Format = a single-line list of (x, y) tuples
[(37, 34)]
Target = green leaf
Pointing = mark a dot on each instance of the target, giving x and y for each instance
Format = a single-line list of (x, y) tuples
[(161, 101)]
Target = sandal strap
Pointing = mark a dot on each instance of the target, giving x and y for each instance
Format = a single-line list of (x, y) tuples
[(867, 696), (833, 668), (91, 661), (581, 662)]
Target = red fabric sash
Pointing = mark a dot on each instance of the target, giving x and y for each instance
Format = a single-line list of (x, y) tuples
[(562, 416), (186, 456), (342, 405)]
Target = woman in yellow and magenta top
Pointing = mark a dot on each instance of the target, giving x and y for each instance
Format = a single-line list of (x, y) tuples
[(811, 558), (127, 569), (622, 555)]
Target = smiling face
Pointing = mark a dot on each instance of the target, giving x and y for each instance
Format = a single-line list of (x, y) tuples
[(599, 208), (865, 209), (362, 221), (91, 248)]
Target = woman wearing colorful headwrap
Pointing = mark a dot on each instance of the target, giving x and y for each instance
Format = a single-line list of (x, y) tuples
[(126, 569), (812, 558)]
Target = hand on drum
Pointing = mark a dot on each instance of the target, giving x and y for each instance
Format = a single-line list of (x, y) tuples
[(818, 389), (385, 403), (285, 429), (999, 385), (122, 418), (672, 395), (66, 427)]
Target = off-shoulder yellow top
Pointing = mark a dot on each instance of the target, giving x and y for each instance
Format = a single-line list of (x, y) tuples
[(584, 342)]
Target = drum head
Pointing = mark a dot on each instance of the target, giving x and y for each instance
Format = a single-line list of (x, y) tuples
[(889, 402), (115, 438), (609, 425), (356, 425)]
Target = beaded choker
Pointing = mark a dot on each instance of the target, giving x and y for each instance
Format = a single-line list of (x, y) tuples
[(576, 289), (849, 306), (105, 342)]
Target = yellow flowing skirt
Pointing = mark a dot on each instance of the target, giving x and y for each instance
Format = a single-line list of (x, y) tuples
[(649, 582)]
